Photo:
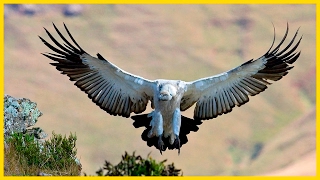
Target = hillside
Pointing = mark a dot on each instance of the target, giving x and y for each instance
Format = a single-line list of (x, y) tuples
[(174, 42)]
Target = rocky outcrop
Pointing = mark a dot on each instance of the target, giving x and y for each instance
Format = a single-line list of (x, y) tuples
[(20, 115)]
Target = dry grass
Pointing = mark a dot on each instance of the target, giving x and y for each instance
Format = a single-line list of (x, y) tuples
[(12, 164), (15, 165), (23, 156)]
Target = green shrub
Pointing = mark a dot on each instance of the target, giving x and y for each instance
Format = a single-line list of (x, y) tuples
[(132, 165), (56, 156)]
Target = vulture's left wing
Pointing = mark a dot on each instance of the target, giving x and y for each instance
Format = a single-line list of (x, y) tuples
[(112, 89), (218, 94)]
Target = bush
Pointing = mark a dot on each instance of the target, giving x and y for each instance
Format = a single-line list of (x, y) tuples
[(56, 156), (132, 165)]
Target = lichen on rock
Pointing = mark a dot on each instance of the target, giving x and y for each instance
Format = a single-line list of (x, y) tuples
[(20, 114)]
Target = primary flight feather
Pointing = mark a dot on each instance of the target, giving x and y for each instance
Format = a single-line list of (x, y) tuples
[(121, 93)]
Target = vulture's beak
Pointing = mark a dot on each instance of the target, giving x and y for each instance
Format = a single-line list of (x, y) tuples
[(165, 96)]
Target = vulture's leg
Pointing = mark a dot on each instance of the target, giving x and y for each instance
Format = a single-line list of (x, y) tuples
[(157, 125), (177, 144), (157, 129), (176, 124), (161, 145)]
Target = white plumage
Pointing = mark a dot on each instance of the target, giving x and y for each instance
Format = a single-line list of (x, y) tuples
[(121, 93)]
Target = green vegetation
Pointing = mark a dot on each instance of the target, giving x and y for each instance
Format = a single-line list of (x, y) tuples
[(132, 165), (24, 156)]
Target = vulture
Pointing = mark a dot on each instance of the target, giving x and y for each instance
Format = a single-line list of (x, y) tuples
[(121, 93)]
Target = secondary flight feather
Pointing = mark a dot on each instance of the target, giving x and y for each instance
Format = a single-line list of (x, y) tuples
[(121, 93)]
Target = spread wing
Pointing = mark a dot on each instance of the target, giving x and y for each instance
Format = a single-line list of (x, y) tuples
[(218, 94), (112, 89)]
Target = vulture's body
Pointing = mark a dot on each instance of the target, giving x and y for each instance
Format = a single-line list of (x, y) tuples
[(121, 93)]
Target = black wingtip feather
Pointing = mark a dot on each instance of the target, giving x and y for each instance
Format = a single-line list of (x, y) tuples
[(68, 44), (274, 39), (280, 59), (100, 57), (71, 37), (293, 59), (281, 42)]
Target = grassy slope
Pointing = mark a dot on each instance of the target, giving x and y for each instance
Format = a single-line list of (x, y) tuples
[(167, 41)]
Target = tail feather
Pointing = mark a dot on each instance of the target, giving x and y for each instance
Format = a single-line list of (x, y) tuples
[(187, 125)]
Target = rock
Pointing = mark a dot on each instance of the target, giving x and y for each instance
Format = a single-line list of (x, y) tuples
[(29, 9), (20, 114), (44, 174), (72, 9)]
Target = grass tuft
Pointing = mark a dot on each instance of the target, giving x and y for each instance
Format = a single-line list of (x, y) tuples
[(24, 156)]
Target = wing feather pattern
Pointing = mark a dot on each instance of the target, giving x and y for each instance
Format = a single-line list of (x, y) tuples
[(218, 94), (112, 89)]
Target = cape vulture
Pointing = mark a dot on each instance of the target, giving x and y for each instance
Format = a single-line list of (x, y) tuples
[(120, 93)]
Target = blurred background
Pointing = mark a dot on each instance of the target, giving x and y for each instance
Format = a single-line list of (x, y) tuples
[(273, 134)]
